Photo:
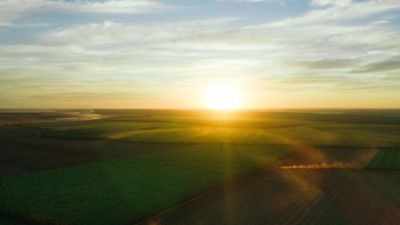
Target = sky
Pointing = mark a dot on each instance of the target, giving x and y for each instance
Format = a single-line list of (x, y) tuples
[(164, 53)]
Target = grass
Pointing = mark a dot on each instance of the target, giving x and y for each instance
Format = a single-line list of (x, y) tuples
[(359, 128), (315, 134), (122, 191), (168, 157), (98, 129), (309, 135), (7, 221), (385, 159), (353, 130)]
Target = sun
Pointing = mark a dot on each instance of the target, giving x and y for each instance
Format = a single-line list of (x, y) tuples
[(223, 96)]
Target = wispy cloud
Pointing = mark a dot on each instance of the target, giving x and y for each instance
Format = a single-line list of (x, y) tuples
[(338, 3), (390, 64), (338, 45), (11, 9), (254, 1), (111, 32)]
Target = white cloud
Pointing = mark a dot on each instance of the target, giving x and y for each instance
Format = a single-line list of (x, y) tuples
[(111, 6), (12, 9), (313, 47), (339, 3), (321, 35), (254, 1), (110, 32), (341, 12)]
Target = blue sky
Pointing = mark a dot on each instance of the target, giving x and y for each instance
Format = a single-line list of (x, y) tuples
[(163, 53)]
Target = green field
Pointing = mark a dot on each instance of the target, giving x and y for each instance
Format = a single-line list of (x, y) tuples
[(245, 128), (7, 221), (126, 166), (386, 159), (121, 191)]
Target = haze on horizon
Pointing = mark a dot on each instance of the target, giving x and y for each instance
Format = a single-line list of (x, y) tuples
[(165, 53)]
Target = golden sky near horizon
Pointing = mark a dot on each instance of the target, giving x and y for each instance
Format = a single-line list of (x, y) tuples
[(176, 54)]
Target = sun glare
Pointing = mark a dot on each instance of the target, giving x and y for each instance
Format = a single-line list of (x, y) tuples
[(223, 96)]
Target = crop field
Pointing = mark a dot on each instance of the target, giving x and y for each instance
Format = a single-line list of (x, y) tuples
[(7, 221), (118, 167), (250, 128), (333, 197), (386, 159), (110, 192)]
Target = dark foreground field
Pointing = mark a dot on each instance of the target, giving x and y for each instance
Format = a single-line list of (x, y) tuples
[(121, 167)]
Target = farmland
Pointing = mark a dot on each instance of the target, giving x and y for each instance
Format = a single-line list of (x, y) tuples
[(175, 167), (386, 159)]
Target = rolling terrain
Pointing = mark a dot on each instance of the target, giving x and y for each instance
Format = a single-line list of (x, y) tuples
[(196, 167)]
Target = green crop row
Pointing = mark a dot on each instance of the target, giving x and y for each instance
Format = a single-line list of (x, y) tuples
[(123, 191), (385, 159)]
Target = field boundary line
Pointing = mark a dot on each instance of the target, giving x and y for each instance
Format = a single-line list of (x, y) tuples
[(201, 195)]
